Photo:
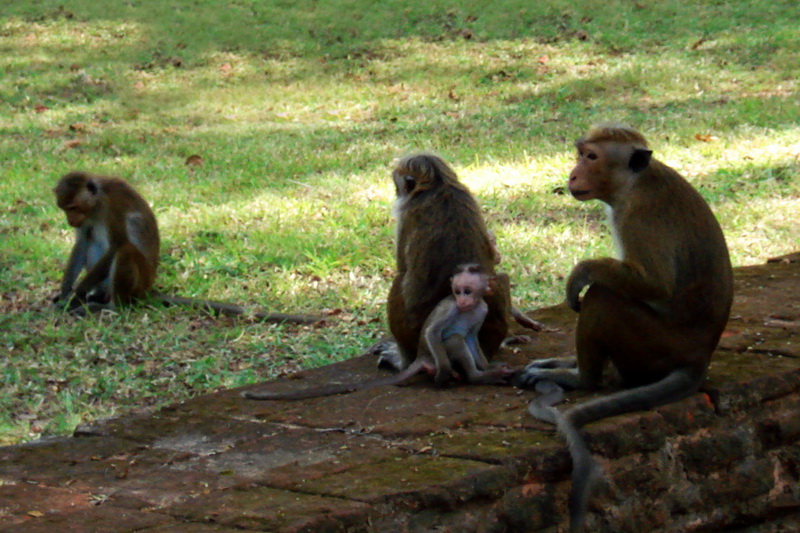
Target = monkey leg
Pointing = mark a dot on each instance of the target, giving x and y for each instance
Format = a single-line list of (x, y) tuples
[(642, 344), (525, 321), (399, 353), (458, 350), (609, 327), (495, 326), (129, 279)]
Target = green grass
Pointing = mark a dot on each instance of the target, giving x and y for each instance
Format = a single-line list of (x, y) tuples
[(298, 110)]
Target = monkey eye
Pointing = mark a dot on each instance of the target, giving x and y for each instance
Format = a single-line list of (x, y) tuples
[(591, 155)]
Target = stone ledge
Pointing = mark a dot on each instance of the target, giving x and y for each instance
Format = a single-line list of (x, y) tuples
[(416, 458)]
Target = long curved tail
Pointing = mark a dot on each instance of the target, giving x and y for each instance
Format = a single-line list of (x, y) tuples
[(585, 471), (331, 390), (220, 308)]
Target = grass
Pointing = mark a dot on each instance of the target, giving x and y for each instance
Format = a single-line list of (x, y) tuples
[(297, 110)]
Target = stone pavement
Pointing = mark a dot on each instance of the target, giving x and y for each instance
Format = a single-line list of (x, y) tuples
[(461, 459)]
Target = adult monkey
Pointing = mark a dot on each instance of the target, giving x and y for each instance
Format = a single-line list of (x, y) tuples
[(439, 226), (117, 242), (657, 312)]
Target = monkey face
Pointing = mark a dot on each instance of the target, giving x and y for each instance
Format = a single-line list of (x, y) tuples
[(75, 216), (468, 290), (77, 196), (588, 180), (605, 166), (80, 209)]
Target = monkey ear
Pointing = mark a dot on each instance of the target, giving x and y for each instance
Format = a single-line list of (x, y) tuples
[(639, 159), (91, 186), (410, 183), (490, 284)]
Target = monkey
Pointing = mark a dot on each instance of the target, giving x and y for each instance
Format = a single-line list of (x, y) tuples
[(518, 316), (117, 242), (439, 226), (657, 312), (451, 330), (449, 335), (229, 309)]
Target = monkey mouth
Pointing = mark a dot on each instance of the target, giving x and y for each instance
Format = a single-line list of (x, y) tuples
[(579, 193)]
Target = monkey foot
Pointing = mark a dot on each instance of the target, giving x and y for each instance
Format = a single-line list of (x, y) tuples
[(389, 355), (530, 378), (553, 362)]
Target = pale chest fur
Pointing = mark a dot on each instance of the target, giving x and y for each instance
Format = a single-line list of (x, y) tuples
[(97, 242), (618, 248)]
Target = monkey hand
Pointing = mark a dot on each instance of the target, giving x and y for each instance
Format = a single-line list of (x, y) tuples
[(503, 372), (63, 300), (578, 279)]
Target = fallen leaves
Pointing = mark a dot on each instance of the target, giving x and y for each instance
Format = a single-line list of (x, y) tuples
[(705, 137), (194, 160), (71, 144)]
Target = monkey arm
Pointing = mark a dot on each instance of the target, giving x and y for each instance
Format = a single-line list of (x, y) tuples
[(628, 278), (525, 321), (441, 317), (76, 262), (97, 273)]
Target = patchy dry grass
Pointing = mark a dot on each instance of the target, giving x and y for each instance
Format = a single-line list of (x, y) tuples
[(297, 111)]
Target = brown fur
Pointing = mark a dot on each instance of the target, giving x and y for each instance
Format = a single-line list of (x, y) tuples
[(126, 261), (439, 227), (616, 133), (121, 268), (463, 310), (657, 313)]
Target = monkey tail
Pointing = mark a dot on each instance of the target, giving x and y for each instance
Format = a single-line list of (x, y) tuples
[(677, 385), (541, 408), (585, 471), (331, 390), (226, 309)]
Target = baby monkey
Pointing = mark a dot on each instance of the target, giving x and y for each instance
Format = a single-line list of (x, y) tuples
[(451, 330), (449, 337)]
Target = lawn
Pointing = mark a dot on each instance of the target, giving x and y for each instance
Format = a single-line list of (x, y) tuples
[(296, 111)]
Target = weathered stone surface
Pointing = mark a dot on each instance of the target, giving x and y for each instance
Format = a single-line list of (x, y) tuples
[(421, 459)]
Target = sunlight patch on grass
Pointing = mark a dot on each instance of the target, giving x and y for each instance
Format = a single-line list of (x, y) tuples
[(297, 114)]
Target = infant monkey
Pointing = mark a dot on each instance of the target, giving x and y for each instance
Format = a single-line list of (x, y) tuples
[(450, 332), (449, 336)]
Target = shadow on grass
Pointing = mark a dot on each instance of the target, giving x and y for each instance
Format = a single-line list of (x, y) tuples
[(531, 114)]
